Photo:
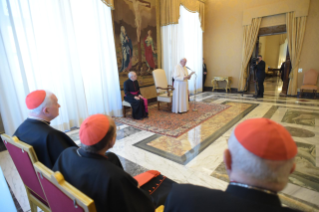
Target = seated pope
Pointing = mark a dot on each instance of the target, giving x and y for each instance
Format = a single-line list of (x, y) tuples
[(134, 97), (100, 175), (36, 131), (259, 159)]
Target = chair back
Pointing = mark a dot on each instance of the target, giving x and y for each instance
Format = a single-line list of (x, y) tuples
[(23, 156), (61, 195), (160, 79), (310, 77)]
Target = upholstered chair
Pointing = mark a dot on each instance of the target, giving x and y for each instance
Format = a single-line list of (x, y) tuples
[(164, 91), (23, 156), (310, 80), (61, 195), (126, 106)]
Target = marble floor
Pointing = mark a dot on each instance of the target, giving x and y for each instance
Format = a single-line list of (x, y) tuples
[(196, 157)]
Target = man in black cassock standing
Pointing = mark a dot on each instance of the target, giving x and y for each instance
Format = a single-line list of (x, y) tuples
[(134, 97), (285, 70), (260, 73), (204, 73), (100, 175), (36, 131)]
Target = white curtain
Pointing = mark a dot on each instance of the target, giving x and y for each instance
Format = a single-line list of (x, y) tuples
[(184, 39), (282, 53), (65, 46)]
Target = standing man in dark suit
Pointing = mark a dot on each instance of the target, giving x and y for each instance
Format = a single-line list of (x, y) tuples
[(285, 70), (204, 73), (260, 73), (259, 159)]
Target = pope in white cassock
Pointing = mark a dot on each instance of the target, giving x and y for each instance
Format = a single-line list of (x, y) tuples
[(180, 93)]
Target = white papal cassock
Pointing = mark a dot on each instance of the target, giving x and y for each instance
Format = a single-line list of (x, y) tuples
[(180, 93)]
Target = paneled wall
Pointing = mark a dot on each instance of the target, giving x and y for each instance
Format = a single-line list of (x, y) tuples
[(224, 34)]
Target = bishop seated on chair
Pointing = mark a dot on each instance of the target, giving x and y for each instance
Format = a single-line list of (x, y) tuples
[(134, 97)]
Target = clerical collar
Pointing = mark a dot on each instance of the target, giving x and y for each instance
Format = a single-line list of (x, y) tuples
[(38, 119), (253, 187), (82, 153)]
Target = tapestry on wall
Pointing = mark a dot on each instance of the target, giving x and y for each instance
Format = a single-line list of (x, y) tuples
[(135, 39)]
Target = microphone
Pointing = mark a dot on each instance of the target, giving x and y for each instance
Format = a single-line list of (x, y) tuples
[(190, 69)]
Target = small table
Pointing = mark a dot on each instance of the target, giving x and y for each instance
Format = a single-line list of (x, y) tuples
[(219, 79), (273, 71)]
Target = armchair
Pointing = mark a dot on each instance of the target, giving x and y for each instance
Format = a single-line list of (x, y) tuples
[(61, 195), (23, 156), (164, 91), (310, 82)]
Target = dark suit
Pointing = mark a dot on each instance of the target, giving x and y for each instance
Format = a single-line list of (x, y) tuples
[(48, 143), (204, 75), (191, 198), (260, 73)]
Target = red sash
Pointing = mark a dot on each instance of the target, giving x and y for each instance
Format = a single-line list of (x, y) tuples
[(145, 100)]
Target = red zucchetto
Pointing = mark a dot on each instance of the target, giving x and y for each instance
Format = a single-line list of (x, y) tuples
[(35, 99), (94, 129), (266, 139)]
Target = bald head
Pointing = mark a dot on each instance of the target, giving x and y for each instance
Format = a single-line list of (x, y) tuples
[(132, 75), (183, 62)]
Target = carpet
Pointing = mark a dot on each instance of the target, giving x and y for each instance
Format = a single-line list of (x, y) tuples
[(165, 122)]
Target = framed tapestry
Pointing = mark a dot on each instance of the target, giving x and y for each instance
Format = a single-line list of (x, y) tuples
[(137, 39)]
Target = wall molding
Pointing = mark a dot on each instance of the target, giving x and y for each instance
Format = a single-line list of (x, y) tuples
[(300, 7)]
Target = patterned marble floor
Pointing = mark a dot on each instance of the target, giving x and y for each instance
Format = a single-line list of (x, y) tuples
[(196, 156)]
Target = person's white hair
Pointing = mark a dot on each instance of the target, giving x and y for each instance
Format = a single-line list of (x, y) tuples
[(130, 74), (47, 102), (258, 168), (183, 59)]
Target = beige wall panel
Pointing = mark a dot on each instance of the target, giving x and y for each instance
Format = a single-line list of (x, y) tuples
[(224, 33), (309, 57), (223, 39), (274, 20), (300, 7), (263, 43), (271, 54)]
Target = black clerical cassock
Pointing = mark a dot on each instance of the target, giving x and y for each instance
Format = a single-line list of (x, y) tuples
[(111, 188), (132, 89), (47, 142), (191, 198)]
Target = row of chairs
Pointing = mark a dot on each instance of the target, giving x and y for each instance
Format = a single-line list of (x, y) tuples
[(46, 189)]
